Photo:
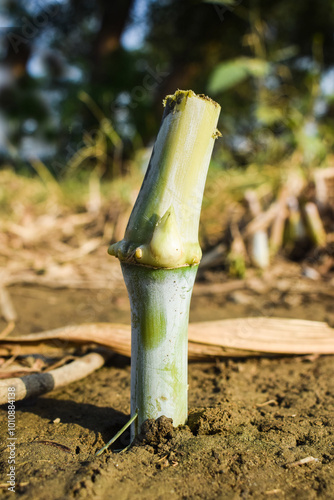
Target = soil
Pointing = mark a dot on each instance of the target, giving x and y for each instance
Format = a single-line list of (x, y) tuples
[(250, 420)]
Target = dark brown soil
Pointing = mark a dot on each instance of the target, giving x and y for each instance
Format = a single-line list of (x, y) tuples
[(250, 420)]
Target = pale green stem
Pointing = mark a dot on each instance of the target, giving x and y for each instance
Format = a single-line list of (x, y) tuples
[(160, 300)]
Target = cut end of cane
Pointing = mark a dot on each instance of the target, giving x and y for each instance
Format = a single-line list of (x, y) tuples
[(176, 102)]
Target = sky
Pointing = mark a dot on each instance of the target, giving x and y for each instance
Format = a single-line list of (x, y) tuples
[(134, 35)]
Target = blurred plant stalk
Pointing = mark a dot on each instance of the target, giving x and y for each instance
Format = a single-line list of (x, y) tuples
[(314, 224), (259, 246), (160, 254)]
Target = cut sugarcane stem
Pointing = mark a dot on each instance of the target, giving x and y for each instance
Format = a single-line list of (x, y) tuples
[(163, 226), (160, 254)]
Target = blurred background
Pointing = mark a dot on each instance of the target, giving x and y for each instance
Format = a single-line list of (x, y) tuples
[(81, 89)]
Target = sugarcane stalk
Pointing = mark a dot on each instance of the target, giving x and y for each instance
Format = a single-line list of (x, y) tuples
[(160, 254), (314, 224)]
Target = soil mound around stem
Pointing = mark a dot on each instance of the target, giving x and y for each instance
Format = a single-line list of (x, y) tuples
[(155, 433)]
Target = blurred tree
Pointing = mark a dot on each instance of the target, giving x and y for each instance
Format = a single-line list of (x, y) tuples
[(114, 16), (271, 56)]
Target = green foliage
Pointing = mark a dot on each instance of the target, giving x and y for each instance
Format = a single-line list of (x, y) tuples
[(228, 74)]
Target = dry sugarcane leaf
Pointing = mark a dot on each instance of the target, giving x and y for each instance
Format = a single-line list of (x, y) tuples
[(14, 368), (111, 335), (266, 335), (235, 337), (231, 337), (19, 372), (49, 348)]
